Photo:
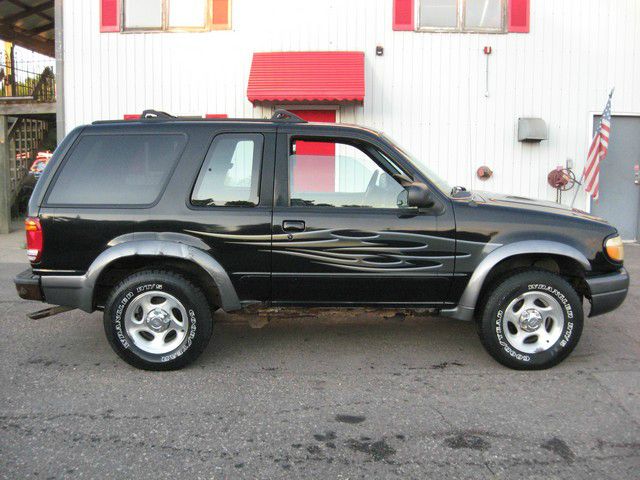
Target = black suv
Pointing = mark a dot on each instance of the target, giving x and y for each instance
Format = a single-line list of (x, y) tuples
[(160, 221)]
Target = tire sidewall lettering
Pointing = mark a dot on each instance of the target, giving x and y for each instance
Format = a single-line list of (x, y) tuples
[(193, 325), (124, 339), (118, 321), (564, 337), (149, 287)]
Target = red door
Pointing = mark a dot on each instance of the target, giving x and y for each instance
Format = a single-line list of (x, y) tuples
[(315, 167)]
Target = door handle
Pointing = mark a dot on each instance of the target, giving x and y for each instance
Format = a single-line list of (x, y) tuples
[(293, 226)]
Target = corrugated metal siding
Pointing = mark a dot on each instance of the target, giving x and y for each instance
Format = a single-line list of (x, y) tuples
[(427, 91)]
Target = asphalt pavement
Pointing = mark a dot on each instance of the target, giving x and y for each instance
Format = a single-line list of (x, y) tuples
[(330, 397)]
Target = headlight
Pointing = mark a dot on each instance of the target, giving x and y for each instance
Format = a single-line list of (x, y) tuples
[(614, 248)]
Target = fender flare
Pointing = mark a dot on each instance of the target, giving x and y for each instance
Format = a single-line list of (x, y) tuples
[(78, 291), (465, 309)]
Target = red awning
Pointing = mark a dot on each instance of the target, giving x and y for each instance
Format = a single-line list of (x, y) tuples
[(307, 77)]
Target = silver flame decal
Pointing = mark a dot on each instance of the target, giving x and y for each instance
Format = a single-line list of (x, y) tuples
[(362, 251)]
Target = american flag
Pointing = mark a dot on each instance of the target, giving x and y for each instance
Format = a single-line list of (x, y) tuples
[(598, 152)]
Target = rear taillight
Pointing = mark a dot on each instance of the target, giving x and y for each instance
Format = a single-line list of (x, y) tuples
[(34, 238)]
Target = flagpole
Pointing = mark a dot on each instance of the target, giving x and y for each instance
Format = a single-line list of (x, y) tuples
[(575, 195)]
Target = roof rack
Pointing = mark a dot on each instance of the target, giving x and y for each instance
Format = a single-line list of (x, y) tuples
[(282, 115), (155, 114)]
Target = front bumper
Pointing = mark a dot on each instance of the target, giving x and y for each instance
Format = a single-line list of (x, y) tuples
[(28, 286), (608, 291)]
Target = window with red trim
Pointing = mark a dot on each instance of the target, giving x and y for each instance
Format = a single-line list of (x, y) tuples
[(487, 16), (165, 15), (463, 15)]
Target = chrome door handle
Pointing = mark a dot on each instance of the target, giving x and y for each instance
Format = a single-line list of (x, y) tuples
[(293, 226)]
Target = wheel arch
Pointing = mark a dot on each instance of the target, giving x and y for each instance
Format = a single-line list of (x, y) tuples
[(565, 257), (186, 259)]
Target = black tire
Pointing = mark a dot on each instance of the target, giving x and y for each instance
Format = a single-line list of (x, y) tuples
[(496, 328), (197, 326)]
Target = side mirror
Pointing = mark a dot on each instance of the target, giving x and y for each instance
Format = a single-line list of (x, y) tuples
[(418, 195)]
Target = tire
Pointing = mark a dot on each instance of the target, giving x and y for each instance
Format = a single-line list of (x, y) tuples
[(157, 320), (514, 308)]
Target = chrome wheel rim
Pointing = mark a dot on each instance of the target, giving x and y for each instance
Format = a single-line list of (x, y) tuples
[(533, 322), (156, 322)]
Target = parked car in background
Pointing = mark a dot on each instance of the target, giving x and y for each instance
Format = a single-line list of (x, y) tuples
[(160, 221), (28, 182), (40, 162)]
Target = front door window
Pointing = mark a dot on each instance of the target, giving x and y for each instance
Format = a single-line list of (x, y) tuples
[(355, 179)]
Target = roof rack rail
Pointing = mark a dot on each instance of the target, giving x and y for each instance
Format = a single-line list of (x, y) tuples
[(155, 114), (282, 115)]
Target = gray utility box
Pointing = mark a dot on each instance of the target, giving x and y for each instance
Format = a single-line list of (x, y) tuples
[(532, 130)]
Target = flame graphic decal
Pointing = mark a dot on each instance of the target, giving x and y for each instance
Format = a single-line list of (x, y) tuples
[(362, 251)]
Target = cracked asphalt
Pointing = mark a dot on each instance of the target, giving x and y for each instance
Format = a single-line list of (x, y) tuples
[(352, 397)]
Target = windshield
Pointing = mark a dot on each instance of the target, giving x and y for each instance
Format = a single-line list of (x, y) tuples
[(441, 183)]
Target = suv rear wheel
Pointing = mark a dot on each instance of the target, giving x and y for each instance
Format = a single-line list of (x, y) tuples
[(532, 320), (157, 320)]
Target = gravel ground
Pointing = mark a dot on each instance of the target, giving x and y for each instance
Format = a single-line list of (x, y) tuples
[(353, 397)]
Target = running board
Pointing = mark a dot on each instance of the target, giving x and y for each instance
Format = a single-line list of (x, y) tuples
[(48, 312)]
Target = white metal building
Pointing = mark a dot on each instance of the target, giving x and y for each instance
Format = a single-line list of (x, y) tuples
[(428, 82)]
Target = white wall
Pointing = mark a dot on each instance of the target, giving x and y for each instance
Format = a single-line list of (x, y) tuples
[(427, 91)]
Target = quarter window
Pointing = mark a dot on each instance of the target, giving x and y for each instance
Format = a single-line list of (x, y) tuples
[(230, 174), (462, 15), (334, 174), (116, 170)]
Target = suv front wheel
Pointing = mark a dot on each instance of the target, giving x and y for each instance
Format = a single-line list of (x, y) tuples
[(532, 320), (157, 320)]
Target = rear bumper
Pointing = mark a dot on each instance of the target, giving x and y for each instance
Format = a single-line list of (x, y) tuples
[(28, 286), (66, 291), (608, 291)]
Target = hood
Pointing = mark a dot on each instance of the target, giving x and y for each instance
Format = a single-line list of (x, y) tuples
[(513, 201)]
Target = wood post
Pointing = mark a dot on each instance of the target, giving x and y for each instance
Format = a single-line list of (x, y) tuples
[(5, 177)]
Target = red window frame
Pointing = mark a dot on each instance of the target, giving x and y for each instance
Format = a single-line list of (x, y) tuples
[(111, 15)]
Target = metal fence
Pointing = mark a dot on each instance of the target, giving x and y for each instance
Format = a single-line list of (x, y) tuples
[(27, 80)]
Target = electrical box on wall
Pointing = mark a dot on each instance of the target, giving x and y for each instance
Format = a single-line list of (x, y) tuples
[(532, 130)]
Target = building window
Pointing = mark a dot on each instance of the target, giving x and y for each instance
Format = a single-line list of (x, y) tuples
[(462, 15), (167, 15)]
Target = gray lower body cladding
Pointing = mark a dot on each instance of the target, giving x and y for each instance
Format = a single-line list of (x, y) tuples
[(68, 291), (608, 291)]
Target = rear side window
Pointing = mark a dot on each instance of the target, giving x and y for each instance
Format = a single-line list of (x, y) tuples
[(230, 174), (117, 169)]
